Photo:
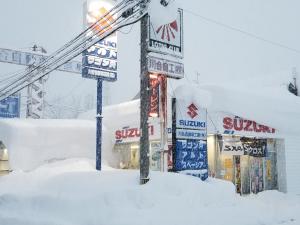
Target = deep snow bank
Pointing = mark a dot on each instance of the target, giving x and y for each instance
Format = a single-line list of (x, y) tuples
[(31, 143), (72, 192)]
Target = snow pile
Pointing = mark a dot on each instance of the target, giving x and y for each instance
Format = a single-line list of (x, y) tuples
[(31, 143), (73, 193)]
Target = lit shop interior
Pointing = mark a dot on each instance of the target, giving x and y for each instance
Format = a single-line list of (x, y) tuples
[(126, 155), (252, 164), (4, 164)]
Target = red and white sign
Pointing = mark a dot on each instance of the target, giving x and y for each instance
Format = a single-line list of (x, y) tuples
[(239, 124), (132, 134), (167, 38), (154, 95), (226, 123)]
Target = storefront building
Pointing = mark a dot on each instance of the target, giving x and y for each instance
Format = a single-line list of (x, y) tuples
[(246, 153), (249, 154)]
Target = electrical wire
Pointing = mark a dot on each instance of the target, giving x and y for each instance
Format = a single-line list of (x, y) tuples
[(243, 32), (77, 50), (32, 69)]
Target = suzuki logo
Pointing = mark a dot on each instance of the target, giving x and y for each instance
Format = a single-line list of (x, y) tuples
[(192, 111), (168, 31)]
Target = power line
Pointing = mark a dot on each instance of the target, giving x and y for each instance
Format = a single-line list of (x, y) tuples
[(47, 66), (252, 35)]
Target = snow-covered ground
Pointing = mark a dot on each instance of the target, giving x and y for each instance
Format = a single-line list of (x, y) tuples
[(71, 192)]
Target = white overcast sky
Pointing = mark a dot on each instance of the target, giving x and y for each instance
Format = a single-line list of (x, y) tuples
[(219, 54)]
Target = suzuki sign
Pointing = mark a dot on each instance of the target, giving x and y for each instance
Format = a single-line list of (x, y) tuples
[(190, 116)]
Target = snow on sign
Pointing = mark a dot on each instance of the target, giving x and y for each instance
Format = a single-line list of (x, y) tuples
[(166, 67), (167, 38), (100, 60), (10, 107)]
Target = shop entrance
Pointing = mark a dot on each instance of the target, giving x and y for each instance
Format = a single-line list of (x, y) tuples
[(251, 167)]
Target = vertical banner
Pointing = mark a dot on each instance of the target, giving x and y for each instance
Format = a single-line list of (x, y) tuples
[(154, 95), (189, 138), (100, 60)]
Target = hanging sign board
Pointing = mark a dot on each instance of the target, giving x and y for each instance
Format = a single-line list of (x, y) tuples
[(244, 146), (232, 148), (100, 60), (167, 38)]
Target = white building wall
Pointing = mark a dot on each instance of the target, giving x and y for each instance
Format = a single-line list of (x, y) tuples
[(292, 149), (281, 165)]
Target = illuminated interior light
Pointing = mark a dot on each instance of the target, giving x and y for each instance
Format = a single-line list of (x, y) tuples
[(153, 114), (153, 75)]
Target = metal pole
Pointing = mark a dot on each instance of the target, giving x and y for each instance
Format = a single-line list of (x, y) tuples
[(144, 98), (99, 125)]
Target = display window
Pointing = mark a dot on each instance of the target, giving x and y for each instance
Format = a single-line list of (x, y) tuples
[(249, 163)]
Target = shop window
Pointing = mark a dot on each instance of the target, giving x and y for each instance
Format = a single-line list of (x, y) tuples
[(4, 163)]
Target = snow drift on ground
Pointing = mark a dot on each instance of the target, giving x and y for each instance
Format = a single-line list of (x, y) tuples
[(71, 192)]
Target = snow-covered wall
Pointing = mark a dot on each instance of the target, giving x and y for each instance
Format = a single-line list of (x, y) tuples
[(31, 143), (292, 146)]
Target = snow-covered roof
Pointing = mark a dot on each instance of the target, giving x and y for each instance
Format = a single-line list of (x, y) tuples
[(273, 106)]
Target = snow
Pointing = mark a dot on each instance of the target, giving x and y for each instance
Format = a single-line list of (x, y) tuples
[(31, 143), (71, 192), (258, 103), (163, 15)]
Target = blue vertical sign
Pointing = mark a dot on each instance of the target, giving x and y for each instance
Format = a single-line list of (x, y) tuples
[(10, 107), (190, 139)]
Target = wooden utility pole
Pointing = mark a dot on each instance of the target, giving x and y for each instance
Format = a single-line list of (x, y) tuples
[(144, 104)]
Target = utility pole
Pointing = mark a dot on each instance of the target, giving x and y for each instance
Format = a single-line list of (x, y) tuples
[(35, 91), (99, 124), (144, 104)]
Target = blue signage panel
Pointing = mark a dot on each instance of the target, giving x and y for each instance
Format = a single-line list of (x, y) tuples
[(191, 155), (10, 107), (100, 61)]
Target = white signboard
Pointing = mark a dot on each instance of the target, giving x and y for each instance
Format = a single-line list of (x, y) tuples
[(232, 148), (169, 68), (190, 134), (167, 38), (28, 58), (190, 116), (190, 121)]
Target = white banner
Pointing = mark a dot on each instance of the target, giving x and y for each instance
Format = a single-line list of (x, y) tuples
[(232, 147)]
